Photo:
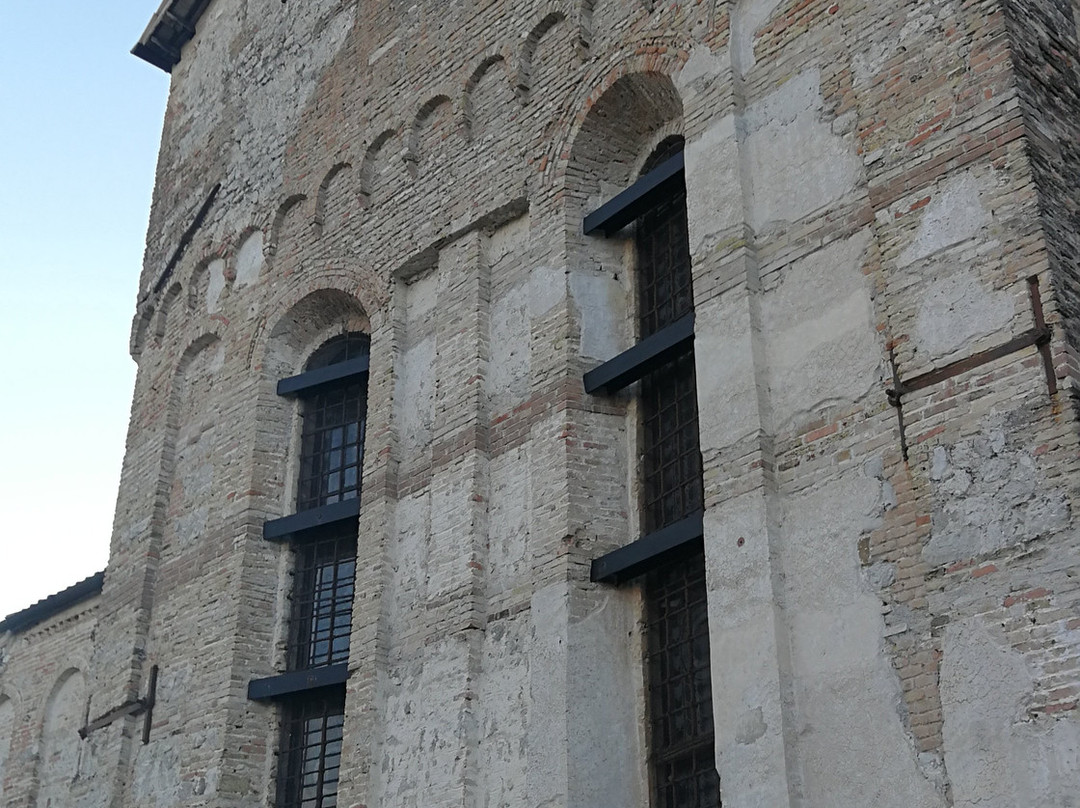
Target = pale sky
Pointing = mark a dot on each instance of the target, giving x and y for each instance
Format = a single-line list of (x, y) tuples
[(80, 121)]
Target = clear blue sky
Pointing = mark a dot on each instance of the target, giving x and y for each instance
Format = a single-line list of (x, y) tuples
[(80, 121)]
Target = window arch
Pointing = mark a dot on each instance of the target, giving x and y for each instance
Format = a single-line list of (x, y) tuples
[(322, 534), (669, 557)]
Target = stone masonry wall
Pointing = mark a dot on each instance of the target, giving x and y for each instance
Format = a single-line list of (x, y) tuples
[(44, 699), (872, 195)]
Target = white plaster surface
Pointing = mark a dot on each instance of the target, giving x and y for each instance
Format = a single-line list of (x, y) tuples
[(957, 310), (215, 284), (605, 735), (547, 288), (793, 163), (742, 643), (747, 17), (508, 370), (821, 344), (727, 390), (996, 756), (503, 707), (509, 520), (249, 259), (714, 194), (853, 748), (989, 494), (415, 387), (601, 306), (954, 214)]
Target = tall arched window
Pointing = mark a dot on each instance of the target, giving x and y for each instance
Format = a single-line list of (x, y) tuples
[(669, 557), (322, 535)]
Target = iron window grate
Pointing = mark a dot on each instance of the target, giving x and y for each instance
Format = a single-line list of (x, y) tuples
[(323, 586), (680, 690), (311, 750)]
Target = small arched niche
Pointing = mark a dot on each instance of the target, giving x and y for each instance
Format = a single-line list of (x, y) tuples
[(58, 764), (308, 324), (621, 130)]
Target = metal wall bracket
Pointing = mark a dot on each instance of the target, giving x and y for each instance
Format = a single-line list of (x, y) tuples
[(307, 383), (286, 684), (311, 519), (649, 551), (651, 353), (616, 213), (143, 707)]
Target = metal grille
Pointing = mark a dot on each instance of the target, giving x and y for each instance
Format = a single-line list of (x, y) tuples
[(680, 691), (340, 349), (322, 598), (311, 751), (665, 282), (672, 457), (332, 446)]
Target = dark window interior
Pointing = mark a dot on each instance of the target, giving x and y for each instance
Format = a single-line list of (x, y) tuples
[(677, 625)]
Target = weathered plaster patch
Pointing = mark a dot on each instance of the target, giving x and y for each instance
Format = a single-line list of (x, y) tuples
[(852, 745), (793, 163), (989, 494), (957, 310), (998, 757), (508, 369), (714, 194), (746, 18), (954, 214), (601, 308), (547, 288), (215, 285), (821, 343), (868, 63), (249, 260)]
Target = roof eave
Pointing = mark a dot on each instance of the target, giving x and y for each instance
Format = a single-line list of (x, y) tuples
[(53, 605), (171, 27)]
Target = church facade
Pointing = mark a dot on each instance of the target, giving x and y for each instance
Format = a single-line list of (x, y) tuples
[(588, 403)]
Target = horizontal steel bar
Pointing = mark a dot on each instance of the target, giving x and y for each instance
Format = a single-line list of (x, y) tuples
[(314, 379), (649, 354), (286, 684), (136, 707), (1036, 336), (616, 213), (310, 519), (649, 551)]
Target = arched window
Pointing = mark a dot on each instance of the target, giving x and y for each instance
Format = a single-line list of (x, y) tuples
[(322, 534), (669, 556)]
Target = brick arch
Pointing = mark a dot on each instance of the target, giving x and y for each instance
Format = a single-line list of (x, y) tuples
[(165, 310), (425, 118), (140, 329), (527, 52), (338, 172), (286, 209), (59, 745), (633, 66), (489, 64), (368, 289), (369, 168)]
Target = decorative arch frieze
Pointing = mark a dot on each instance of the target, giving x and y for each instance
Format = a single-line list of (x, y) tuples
[(527, 53), (490, 72), (374, 159), (287, 211), (334, 178), (434, 112)]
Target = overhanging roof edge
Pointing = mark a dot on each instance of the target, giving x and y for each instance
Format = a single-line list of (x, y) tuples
[(171, 27)]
